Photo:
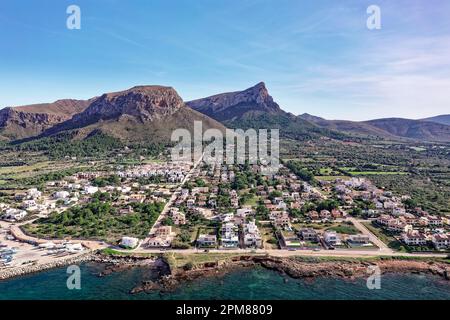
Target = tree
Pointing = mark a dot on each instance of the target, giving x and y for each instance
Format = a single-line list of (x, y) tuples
[(167, 221), (410, 203)]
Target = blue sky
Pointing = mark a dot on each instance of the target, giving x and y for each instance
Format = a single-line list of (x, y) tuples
[(314, 56)]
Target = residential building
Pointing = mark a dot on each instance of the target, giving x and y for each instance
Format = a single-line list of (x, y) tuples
[(252, 236), (207, 240), (309, 234), (358, 239), (440, 241), (414, 238), (230, 237), (129, 242), (332, 238)]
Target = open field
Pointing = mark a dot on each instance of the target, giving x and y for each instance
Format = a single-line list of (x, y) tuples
[(368, 173), (390, 241), (331, 178)]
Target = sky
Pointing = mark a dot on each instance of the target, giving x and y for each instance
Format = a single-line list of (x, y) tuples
[(316, 56)]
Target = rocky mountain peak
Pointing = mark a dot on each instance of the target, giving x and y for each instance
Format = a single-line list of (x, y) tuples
[(144, 102), (230, 104), (259, 94)]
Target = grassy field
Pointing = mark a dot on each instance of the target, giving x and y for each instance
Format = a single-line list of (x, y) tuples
[(20, 170), (344, 228), (252, 201), (389, 240), (179, 260), (367, 173), (18, 176), (331, 178), (268, 237)]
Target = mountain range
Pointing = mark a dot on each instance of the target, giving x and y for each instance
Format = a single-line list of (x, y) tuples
[(142, 113), (27, 121), (442, 119), (151, 113), (254, 107)]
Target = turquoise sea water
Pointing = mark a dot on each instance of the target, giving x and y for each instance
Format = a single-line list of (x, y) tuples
[(257, 283)]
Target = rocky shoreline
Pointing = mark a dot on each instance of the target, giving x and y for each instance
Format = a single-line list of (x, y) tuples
[(118, 264), (294, 268), (169, 279)]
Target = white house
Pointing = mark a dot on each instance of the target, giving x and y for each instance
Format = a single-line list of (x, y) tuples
[(440, 241), (358, 239), (331, 238), (207, 240), (33, 193), (414, 238), (230, 237), (30, 205), (90, 189), (61, 195), (13, 214), (129, 242), (252, 236), (244, 212)]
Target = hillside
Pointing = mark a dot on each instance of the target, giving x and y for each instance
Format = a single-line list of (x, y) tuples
[(413, 129), (388, 128), (442, 119), (31, 120), (350, 127), (142, 113), (255, 108)]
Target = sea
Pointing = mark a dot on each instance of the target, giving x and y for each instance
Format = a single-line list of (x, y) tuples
[(248, 284)]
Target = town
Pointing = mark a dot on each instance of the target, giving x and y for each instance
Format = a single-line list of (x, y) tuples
[(184, 206)]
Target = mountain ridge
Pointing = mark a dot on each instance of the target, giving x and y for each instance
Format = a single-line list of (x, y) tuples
[(151, 112), (140, 113), (30, 120), (442, 119), (390, 128), (255, 108)]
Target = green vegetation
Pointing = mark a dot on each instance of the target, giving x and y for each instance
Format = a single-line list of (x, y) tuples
[(368, 173), (388, 239), (65, 144), (97, 220), (344, 228), (179, 260), (394, 166), (113, 252), (103, 182), (302, 172)]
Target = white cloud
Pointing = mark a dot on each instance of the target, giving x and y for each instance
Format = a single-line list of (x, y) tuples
[(392, 77)]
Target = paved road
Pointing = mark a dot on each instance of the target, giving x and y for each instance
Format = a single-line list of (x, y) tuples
[(288, 253), (380, 244), (95, 245)]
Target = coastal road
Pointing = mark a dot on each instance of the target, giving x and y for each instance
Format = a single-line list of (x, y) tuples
[(288, 253)]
